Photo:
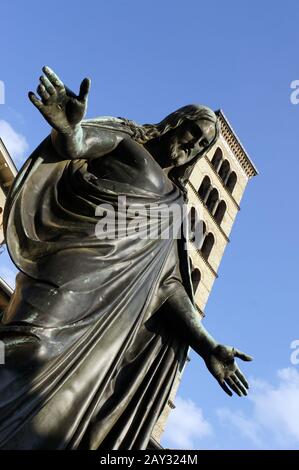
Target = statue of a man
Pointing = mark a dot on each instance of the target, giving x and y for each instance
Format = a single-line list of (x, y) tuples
[(98, 327)]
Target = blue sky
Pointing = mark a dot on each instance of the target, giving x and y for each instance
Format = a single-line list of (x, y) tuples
[(146, 59)]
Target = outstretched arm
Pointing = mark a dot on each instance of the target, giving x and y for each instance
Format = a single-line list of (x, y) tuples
[(219, 359), (64, 111)]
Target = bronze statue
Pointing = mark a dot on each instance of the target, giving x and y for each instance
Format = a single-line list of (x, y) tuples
[(97, 328)]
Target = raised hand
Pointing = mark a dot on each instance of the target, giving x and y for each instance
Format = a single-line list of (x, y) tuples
[(61, 108), (221, 364)]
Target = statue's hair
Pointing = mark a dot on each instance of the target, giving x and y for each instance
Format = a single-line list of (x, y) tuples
[(146, 132)]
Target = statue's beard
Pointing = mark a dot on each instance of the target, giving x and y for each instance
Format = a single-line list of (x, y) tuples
[(177, 155)]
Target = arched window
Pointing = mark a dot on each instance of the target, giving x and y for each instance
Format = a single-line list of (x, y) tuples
[(217, 158), (202, 227), (193, 219), (195, 224), (197, 229), (195, 278), (199, 234), (220, 211), (231, 182), (212, 200), (224, 170), (204, 187), (207, 245)]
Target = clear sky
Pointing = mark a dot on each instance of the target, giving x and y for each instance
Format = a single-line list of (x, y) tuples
[(145, 60)]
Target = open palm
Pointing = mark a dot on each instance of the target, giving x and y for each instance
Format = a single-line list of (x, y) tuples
[(221, 363), (61, 108)]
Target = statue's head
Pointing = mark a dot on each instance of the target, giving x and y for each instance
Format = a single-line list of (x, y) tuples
[(181, 138), (184, 135), (189, 140)]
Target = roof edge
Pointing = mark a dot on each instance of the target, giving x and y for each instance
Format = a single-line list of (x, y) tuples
[(5, 287), (254, 171), (7, 157)]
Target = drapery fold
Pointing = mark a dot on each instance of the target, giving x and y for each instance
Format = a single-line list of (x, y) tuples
[(90, 359)]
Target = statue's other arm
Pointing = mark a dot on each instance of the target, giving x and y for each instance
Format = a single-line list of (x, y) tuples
[(219, 359), (64, 111)]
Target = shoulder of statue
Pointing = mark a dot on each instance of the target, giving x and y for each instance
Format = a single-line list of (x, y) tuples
[(108, 123)]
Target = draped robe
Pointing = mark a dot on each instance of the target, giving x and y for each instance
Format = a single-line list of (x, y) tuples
[(89, 358)]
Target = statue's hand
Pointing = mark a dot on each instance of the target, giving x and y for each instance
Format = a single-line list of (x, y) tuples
[(61, 108), (221, 363)]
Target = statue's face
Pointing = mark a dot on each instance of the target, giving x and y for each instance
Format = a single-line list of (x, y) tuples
[(189, 139)]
